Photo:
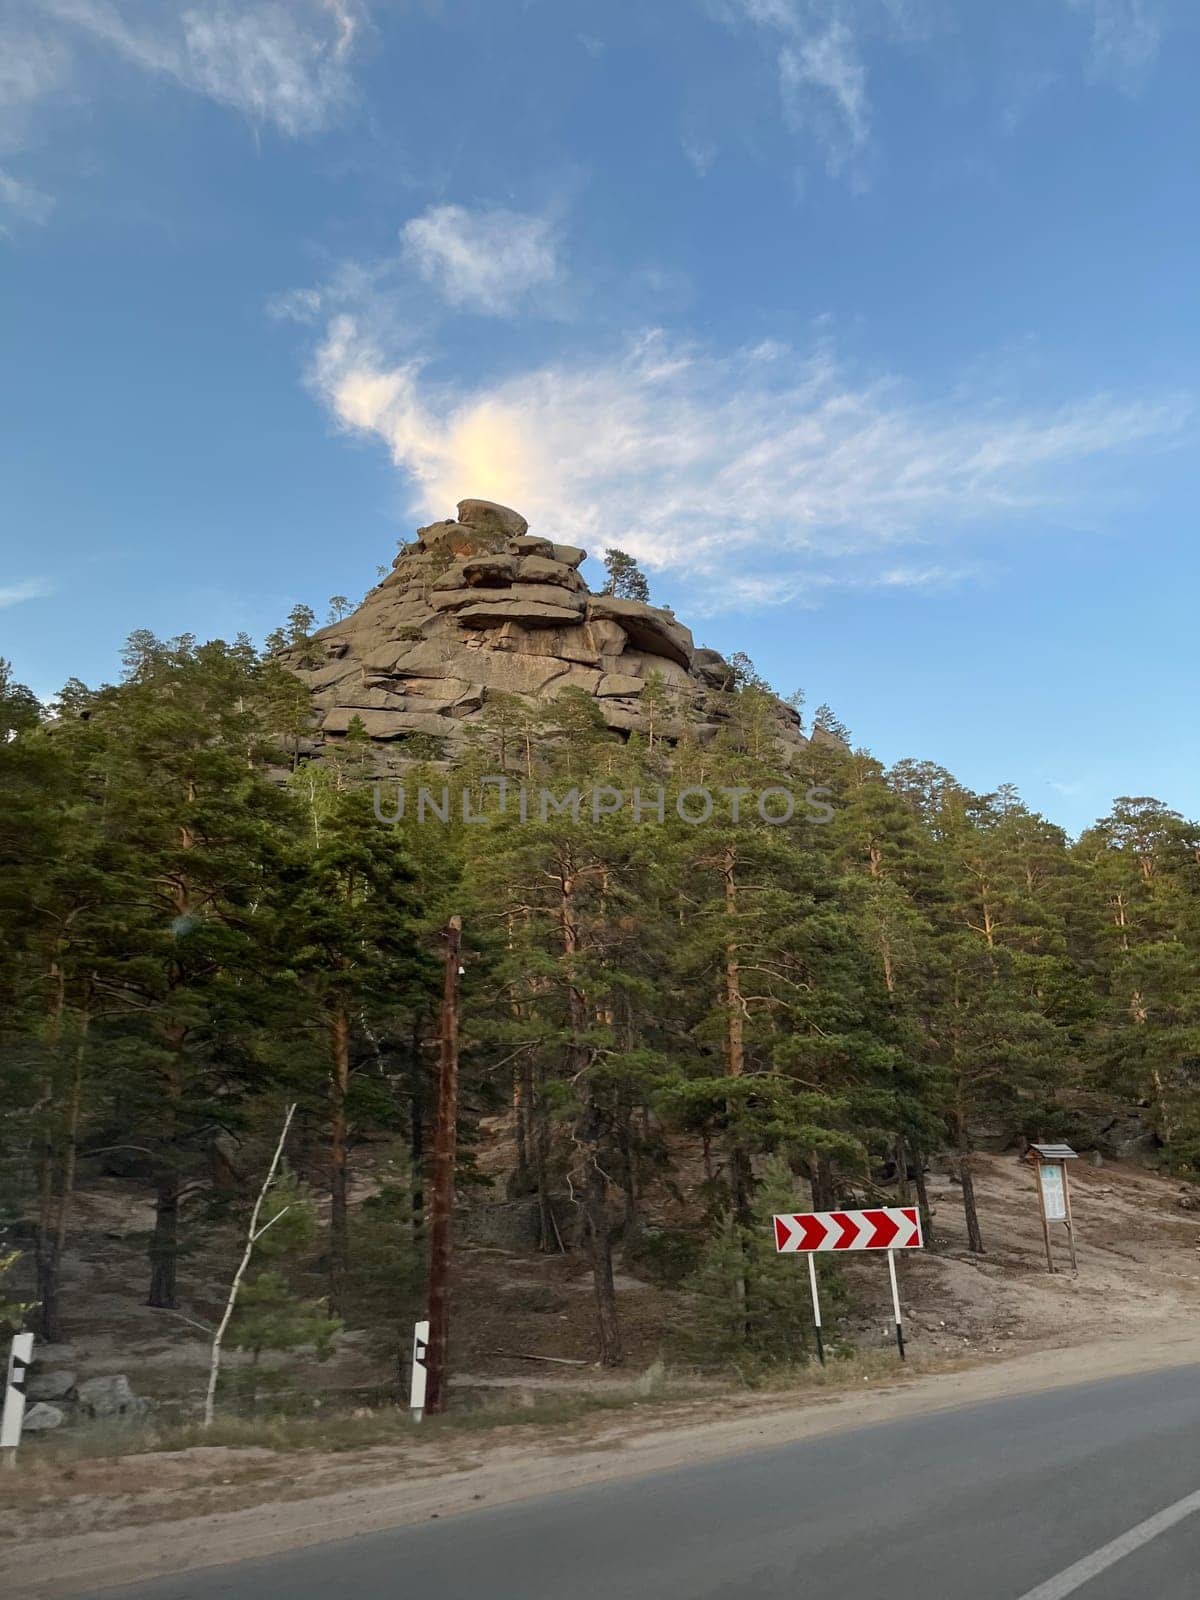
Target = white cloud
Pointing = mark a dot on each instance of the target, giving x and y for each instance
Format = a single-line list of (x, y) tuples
[(22, 201), (31, 66), (284, 62), (828, 62), (295, 305), (1126, 35), (760, 474), (489, 261), (12, 594), (818, 52)]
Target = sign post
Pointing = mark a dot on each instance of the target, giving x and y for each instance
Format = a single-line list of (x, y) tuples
[(416, 1393), (13, 1414), (889, 1228), (896, 1303), (816, 1300), (1054, 1194)]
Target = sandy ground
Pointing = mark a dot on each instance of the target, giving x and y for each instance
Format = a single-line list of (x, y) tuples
[(388, 1488), (979, 1328)]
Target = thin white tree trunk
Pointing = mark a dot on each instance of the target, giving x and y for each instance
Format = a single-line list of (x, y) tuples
[(252, 1237)]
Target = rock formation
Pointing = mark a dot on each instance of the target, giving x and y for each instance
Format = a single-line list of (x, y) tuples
[(478, 607)]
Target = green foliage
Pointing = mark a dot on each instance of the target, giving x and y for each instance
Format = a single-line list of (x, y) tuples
[(13, 1312), (423, 746), (189, 933), (745, 674), (626, 580), (269, 1316), (388, 1257), (300, 621), (752, 1306), (665, 1255), (19, 707)]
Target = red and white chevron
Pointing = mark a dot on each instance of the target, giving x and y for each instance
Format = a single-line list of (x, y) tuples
[(885, 1228)]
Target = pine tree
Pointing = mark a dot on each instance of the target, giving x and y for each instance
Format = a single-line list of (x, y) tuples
[(352, 940), (195, 841), (626, 581)]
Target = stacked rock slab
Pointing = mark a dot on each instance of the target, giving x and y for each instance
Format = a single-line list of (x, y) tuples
[(478, 607)]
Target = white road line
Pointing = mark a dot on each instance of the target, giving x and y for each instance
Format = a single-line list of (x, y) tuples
[(1099, 1561)]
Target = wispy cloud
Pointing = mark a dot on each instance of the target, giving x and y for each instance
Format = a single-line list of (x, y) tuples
[(818, 49), (824, 83), (285, 64), (760, 464), (490, 261), (1125, 40), (31, 68), (13, 594), (22, 201)]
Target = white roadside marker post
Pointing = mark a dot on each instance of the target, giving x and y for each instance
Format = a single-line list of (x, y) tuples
[(891, 1255), (416, 1395), (19, 1356), (812, 1283)]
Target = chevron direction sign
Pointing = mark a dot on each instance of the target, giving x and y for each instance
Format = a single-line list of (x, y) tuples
[(883, 1228)]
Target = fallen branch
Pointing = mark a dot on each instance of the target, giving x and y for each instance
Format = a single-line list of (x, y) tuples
[(519, 1355)]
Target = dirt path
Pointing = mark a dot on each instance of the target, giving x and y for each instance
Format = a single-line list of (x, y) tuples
[(980, 1328), (368, 1497)]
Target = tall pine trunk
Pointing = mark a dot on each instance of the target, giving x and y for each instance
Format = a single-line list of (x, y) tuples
[(51, 1249), (416, 1131), (923, 1199), (45, 1257), (967, 1179), (590, 1133), (164, 1241), (740, 1178), (339, 1177)]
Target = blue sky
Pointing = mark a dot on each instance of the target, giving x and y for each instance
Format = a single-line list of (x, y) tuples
[(870, 326)]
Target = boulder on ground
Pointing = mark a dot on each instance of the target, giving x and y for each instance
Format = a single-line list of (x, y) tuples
[(108, 1397), (49, 1385), (41, 1418)]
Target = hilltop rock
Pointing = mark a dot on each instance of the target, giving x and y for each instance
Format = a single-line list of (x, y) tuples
[(488, 516), (477, 607)]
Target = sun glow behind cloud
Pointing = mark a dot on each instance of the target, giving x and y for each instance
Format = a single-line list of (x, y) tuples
[(759, 473)]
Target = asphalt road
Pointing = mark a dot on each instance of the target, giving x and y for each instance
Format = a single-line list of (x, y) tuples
[(1002, 1501)]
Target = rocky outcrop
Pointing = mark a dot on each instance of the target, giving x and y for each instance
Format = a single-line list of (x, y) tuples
[(477, 608)]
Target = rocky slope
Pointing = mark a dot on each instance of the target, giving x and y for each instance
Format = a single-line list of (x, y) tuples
[(478, 607)]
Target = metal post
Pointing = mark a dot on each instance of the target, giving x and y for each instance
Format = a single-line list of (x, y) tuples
[(442, 1198), (1045, 1221), (1070, 1219), (812, 1283), (891, 1255)]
